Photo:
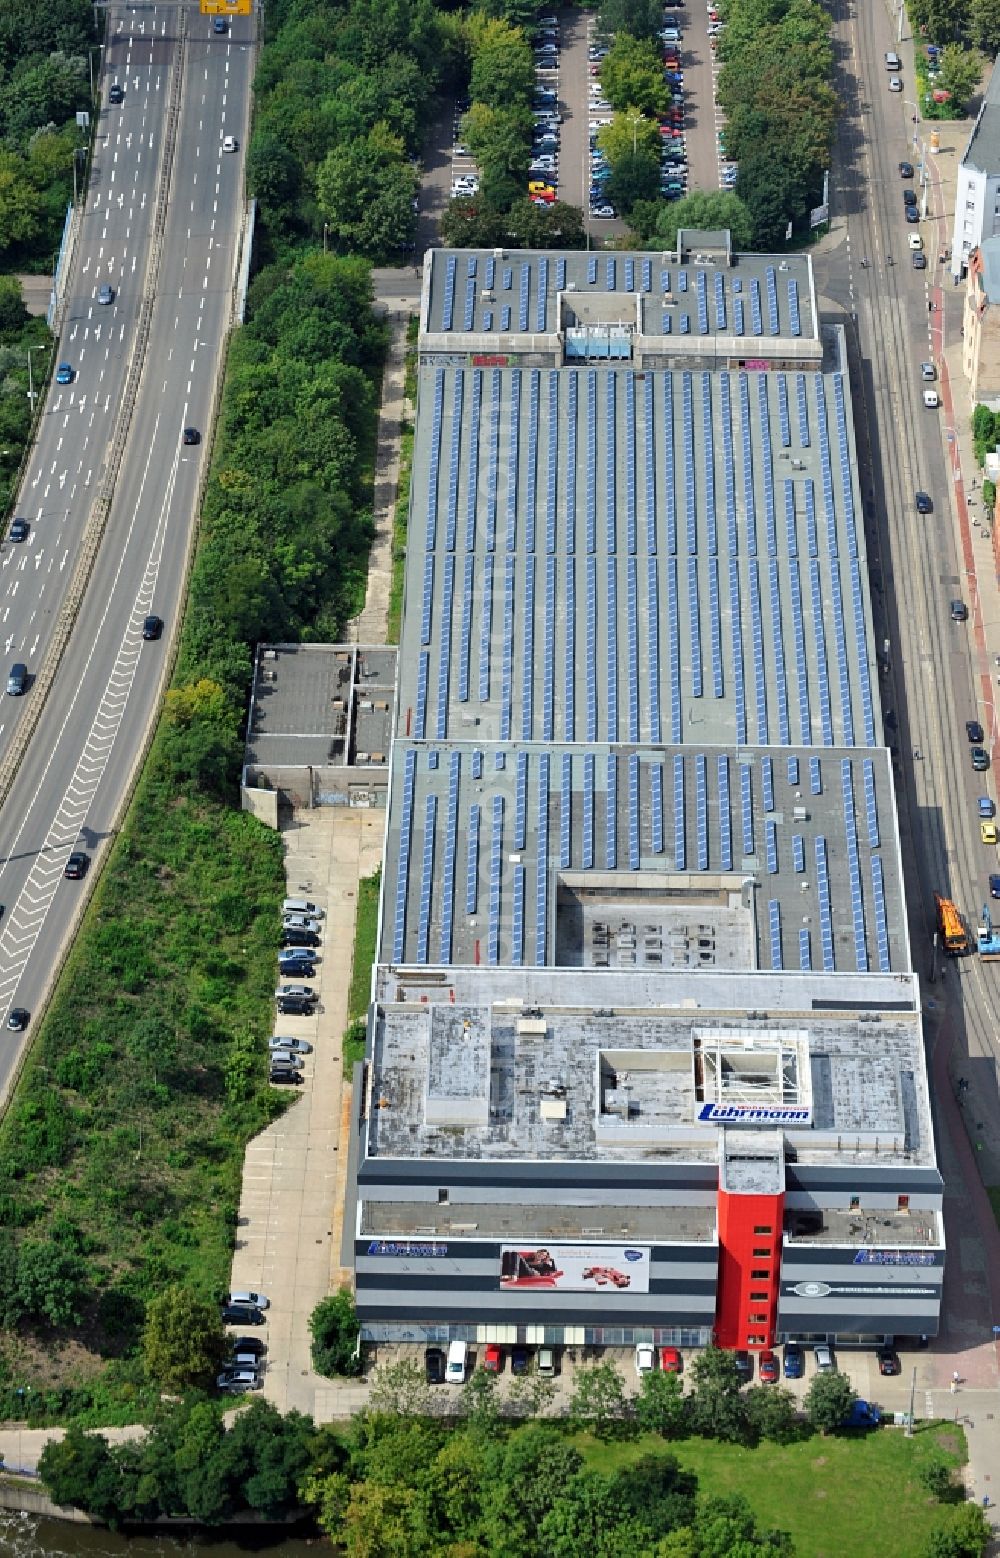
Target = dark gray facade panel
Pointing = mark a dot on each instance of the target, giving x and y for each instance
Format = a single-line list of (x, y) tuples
[(382, 1306), (814, 1180), (890, 1320), (843, 1258), (421, 1282), (627, 1178), (456, 1254)]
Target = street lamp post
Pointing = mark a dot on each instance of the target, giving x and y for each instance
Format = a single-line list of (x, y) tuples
[(94, 48), (31, 386), (635, 120)]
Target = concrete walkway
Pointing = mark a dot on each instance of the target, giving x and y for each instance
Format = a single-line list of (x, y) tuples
[(371, 625), (286, 1243), (21, 1448)]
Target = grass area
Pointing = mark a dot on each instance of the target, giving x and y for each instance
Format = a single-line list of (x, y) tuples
[(834, 1496), (365, 942), (402, 510)]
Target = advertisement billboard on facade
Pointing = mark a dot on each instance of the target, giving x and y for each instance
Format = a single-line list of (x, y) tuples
[(575, 1268)]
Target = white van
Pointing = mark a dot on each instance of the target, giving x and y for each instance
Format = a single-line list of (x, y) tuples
[(301, 906), (458, 1360), (892, 62)]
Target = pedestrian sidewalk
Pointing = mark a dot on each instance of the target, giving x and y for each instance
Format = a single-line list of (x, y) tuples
[(371, 624), (285, 1244)]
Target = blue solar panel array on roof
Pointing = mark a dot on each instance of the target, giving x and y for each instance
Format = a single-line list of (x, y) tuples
[(450, 851), (815, 776), (591, 468), (725, 818), (610, 275), (465, 651), (508, 277), (771, 847), (701, 808), (487, 319), (739, 325), (774, 925), (793, 306), (881, 925), (864, 675), (426, 877), (491, 270), (403, 865), (588, 811), (517, 918), (591, 649), (505, 318), (736, 628), (513, 451), (470, 305), (494, 457), (457, 397), (566, 813), (611, 443), (697, 686), (803, 405), (571, 414), (653, 647), (592, 270), (668, 464), (552, 473), (434, 461), (528, 665), (854, 866), (649, 451), (428, 601), (826, 717), (629, 275), (666, 322), (523, 298), (690, 504), (732, 533), (749, 501), (805, 951), (715, 626), (760, 674), (701, 289), (843, 666), (781, 683), (630, 464), (521, 801), (569, 691), (680, 843), (542, 859), (507, 656), (472, 468), (793, 771), (560, 275), (633, 812), (496, 848), (812, 535), (685, 323), (448, 306), (549, 672), (783, 417), (823, 895), (767, 782), (611, 815), (746, 807), (673, 635), (756, 321), (541, 302), (708, 464), (791, 537), (767, 468), (647, 275), (772, 299), (656, 794), (871, 806), (472, 862), (720, 302), (444, 649), (664, 281), (798, 852), (531, 474), (611, 627), (682, 280), (632, 584), (477, 763), (801, 667)]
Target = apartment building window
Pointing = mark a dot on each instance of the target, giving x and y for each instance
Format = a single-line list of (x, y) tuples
[(763, 1230), (759, 1298), (855, 1203), (764, 1254), (759, 1276)]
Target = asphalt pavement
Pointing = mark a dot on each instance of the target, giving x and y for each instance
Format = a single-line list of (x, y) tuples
[(78, 767)]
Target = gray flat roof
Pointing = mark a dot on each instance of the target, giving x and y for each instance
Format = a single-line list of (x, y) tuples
[(504, 294), (600, 555), (983, 150), (482, 1081), (645, 858), (318, 704)]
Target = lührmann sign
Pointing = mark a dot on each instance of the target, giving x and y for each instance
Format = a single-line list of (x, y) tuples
[(752, 1114)]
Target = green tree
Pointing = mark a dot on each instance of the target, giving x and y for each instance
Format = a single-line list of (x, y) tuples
[(939, 1480), (500, 141), (532, 1470), (771, 1413), (268, 1455), (598, 1402), (967, 1534), (18, 203), (503, 71), (201, 735), (51, 1283), (13, 314), (274, 172), (660, 1405), (630, 134), (183, 1342), (716, 1404), (710, 210), (984, 24), (553, 226), (335, 1334), (961, 71), (365, 189), (633, 179), (632, 75), (401, 1388), (641, 18), (81, 1471), (828, 1401)]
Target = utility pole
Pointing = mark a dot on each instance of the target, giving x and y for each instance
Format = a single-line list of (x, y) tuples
[(913, 1393)]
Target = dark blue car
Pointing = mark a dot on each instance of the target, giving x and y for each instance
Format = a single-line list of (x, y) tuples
[(793, 1361)]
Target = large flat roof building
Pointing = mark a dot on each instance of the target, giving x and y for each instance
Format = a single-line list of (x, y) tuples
[(645, 1055)]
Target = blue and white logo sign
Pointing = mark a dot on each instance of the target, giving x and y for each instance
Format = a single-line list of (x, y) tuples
[(752, 1114)]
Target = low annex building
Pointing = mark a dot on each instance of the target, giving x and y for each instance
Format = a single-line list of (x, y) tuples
[(645, 1057)]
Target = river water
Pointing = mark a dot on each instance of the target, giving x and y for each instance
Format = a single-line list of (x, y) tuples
[(28, 1536)]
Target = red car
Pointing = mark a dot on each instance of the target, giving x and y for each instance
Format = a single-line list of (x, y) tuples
[(768, 1367), (493, 1358), (671, 1361)]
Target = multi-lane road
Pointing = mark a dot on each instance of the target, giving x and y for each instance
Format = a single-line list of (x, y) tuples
[(161, 227)]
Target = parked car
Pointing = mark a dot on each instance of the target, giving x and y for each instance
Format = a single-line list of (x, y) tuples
[(519, 1360), (283, 1076), (547, 1362), (77, 865), (988, 832), (18, 1019), (242, 1314), (645, 1358), (671, 1361), (493, 1358), (888, 1360), (768, 1368), (863, 1414), (152, 627), (824, 1358), (105, 294), (994, 890), (258, 1300), (238, 1380), (458, 1362), (744, 1366), (986, 806), (434, 1366), (793, 1361), (974, 731), (924, 503), (250, 1345), (980, 759)]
